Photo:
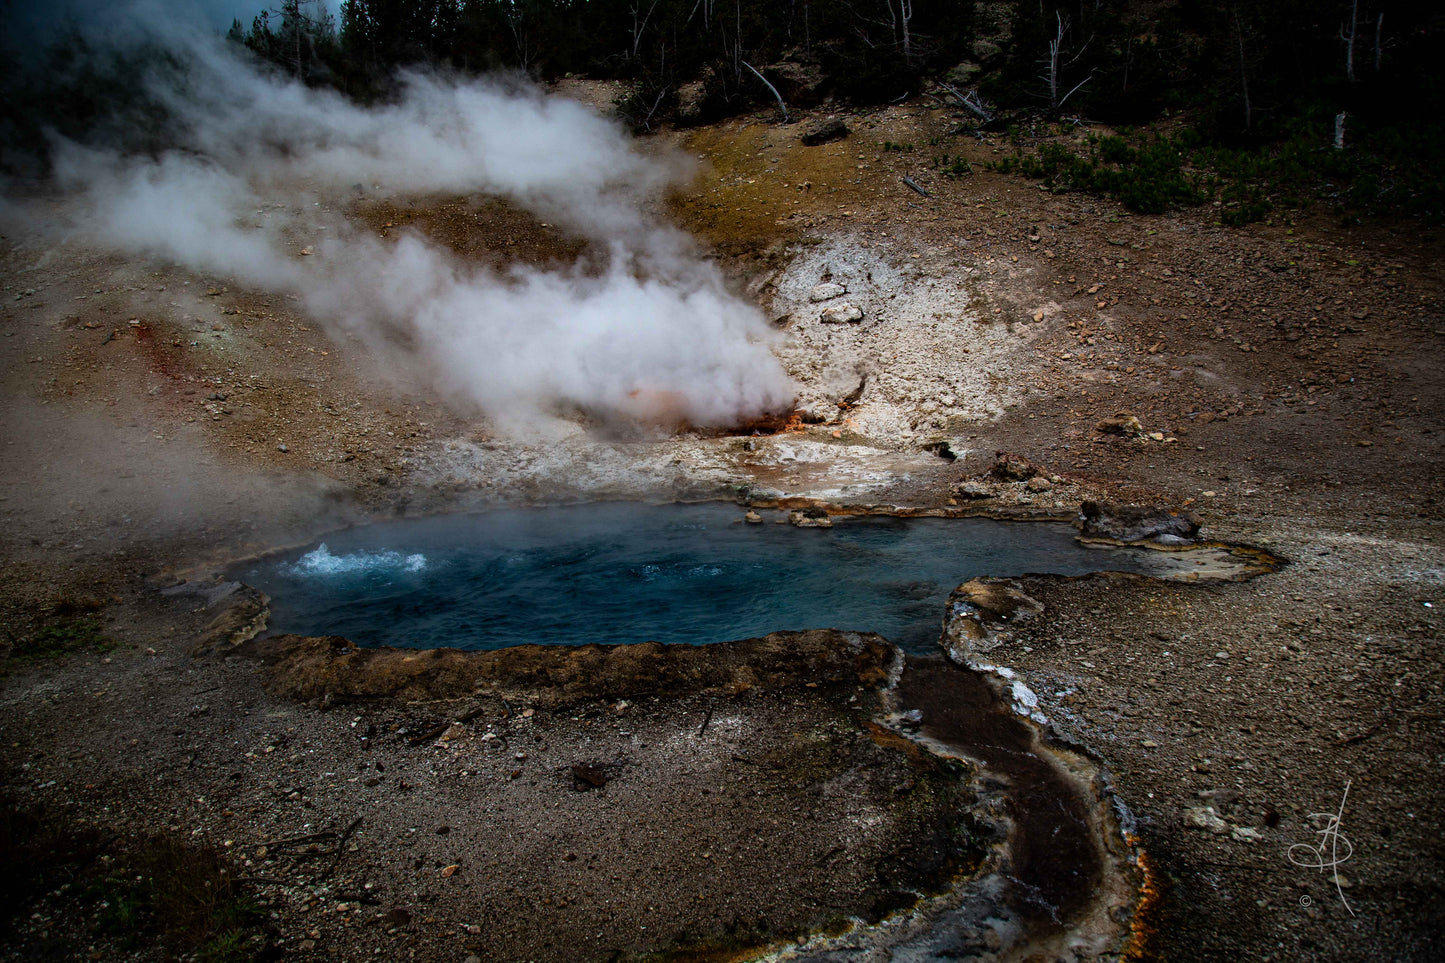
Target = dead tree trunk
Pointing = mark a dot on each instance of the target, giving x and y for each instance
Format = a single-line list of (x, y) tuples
[(1055, 45), (1349, 39), (905, 14)]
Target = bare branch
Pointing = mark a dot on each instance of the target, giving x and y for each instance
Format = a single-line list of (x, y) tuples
[(782, 106), (1076, 87), (971, 100)]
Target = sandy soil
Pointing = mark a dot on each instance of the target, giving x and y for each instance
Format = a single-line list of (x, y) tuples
[(1288, 384)]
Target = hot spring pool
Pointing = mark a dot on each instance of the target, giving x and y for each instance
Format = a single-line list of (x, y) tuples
[(613, 573)]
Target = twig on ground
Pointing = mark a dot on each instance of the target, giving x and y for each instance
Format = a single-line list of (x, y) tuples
[(341, 847), (915, 186)]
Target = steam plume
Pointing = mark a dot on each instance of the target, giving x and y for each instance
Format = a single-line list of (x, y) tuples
[(252, 175)]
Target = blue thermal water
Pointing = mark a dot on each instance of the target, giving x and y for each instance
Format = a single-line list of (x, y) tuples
[(614, 572)]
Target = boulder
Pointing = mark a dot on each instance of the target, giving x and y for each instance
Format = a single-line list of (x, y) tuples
[(1011, 467), (972, 490), (810, 518), (817, 412), (980, 617), (1121, 424), (828, 130), (963, 74), (800, 83), (1135, 523), (986, 50)]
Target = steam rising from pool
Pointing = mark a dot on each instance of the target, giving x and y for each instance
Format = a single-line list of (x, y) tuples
[(617, 573), (234, 170)]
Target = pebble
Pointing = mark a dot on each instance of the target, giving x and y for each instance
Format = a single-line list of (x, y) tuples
[(1204, 817), (826, 291), (844, 312)]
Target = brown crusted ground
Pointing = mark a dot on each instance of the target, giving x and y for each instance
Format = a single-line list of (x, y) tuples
[(549, 676), (1298, 364)]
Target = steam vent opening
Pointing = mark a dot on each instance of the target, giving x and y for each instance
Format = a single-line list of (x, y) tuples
[(621, 573)]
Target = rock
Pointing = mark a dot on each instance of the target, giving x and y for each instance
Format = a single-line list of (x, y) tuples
[(1222, 798), (398, 916), (753, 518), (1011, 467), (801, 84), (1204, 817), (690, 99), (973, 490), (986, 50), (829, 130), (845, 311), (1039, 483), (585, 777), (1244, 834), (817, 412), (826, 291), (1121, 424), (450, 871), (810, 518), (963, 74), (454, 731), (1134, 523), (981, 614)]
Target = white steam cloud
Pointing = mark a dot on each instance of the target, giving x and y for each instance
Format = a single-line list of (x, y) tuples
[(647, 331)]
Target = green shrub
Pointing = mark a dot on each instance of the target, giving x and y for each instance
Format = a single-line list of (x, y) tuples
[(1148, 179), (71, 635), (952, 169)]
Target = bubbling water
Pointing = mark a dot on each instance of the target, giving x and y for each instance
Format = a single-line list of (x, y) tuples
[(617, 573)]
